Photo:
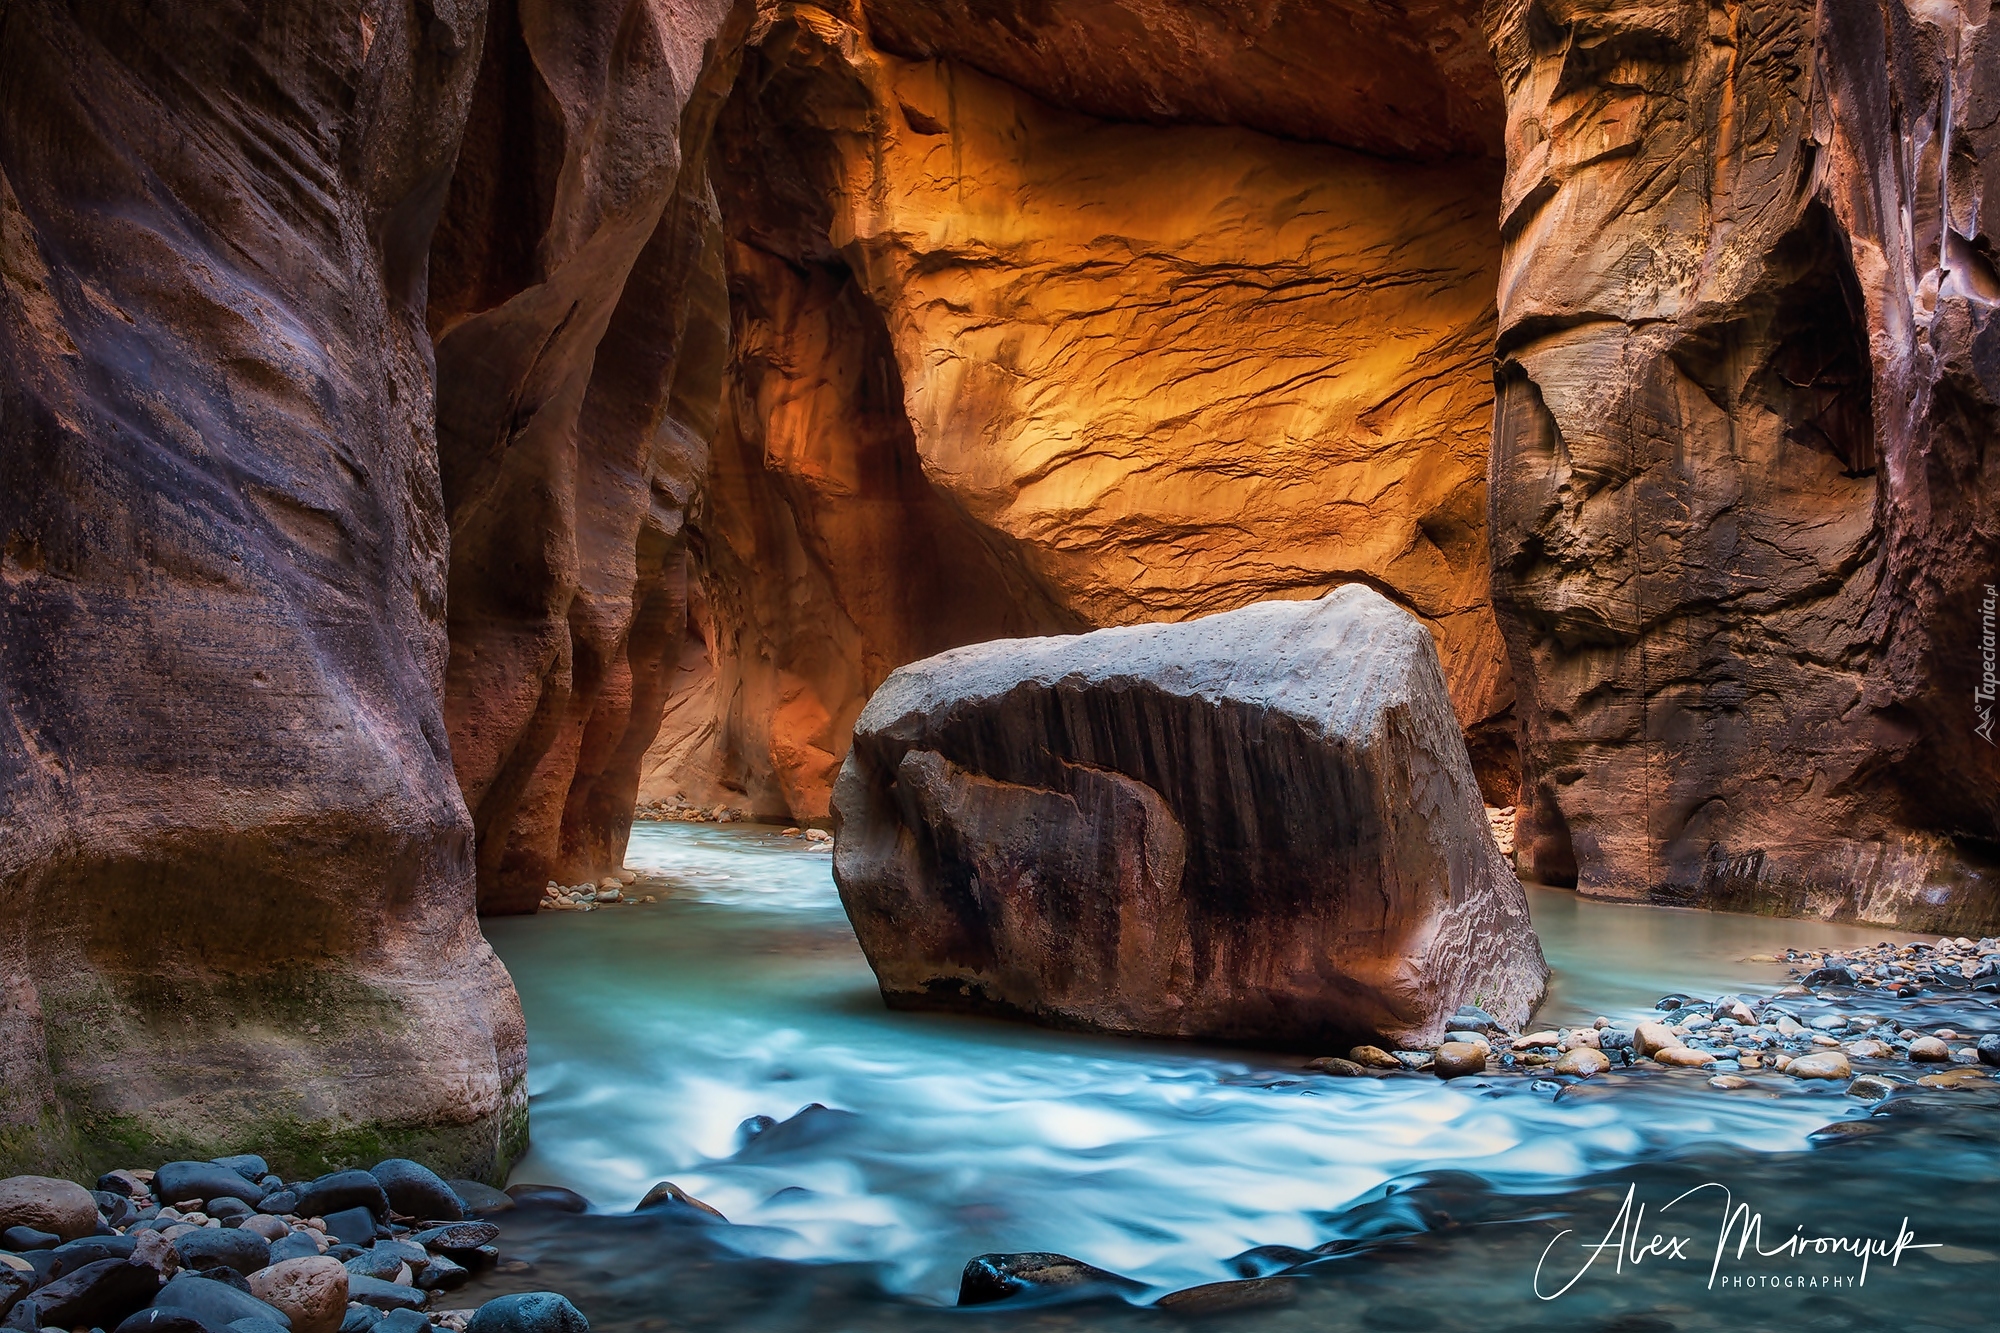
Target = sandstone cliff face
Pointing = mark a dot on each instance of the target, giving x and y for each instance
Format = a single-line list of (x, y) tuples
[(577, 304), (236, 878), (1742, 477), (1003, 367), (1255, 826)]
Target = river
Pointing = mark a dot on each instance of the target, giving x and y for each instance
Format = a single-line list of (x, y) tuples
[(656, 1032)]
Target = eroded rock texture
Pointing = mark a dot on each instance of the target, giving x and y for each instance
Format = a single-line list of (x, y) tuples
[(577, 303), (1256, 826), (1039, 324), (1742, 479), (236, 878)]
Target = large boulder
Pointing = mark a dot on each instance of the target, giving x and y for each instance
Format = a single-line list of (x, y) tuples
[(1257, 826)]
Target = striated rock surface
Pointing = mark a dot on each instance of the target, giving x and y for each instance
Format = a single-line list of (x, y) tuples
[(236, 877), (577, 304), (1743, 489), (1005, 362), (1255, 826)]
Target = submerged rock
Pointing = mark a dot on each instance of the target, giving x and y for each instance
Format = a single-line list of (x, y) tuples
[(1257, 825), (999, 1277)]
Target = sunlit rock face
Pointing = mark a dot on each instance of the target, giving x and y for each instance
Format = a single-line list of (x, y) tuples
[(1742, 482), (236, 879), (577, 304), (1256, 826), (1038, 325)]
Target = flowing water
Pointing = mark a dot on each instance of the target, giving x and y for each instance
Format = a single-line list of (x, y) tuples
[(656, 1033)]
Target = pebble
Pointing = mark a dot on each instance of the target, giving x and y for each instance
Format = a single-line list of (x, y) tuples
[(1414, 1060), (1868, 1050), (1929, 1049), (339, 1191), (1649, 1038), (1870, 1088), (184, 1182), (1530, 1041), (1456, 1059), (311, 1292), (1953, 1079), (1373, 1057), (1583, 1062), (1729, 1082), (1683, 1057), (206, 1247), (61, 1208), (1334, 1065), (1821, 1064), (414, 1190), (546, 1312)]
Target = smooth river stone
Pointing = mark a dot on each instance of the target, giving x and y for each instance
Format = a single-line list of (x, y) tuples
[(62, 1208)]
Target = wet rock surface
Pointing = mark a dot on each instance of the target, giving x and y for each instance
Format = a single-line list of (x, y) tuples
[(209, 1265), (1743, 509), (227, 808), (1256, 826)]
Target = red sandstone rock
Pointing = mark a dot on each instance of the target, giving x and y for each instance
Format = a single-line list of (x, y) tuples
[(1743, 495), (1004, 368), (232, 856), (576, 299)]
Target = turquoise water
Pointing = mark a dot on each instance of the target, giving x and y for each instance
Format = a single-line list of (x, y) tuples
[(655, 1032)]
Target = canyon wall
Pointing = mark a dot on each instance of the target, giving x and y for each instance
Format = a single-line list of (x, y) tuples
[(1090, 315), (236, 876), (577, 305), (1743, 482)]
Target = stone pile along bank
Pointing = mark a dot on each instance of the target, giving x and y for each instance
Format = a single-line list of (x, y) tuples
[(229, 1247)]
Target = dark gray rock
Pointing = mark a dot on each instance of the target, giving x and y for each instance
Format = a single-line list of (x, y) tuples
[(374, 1263), (223, 1273), (361, 1319), (402, 1321), (458, 1237), (206, 1247), (414, 1190), (14, 1284), (116, 1208), (247, 1165), (344, 1251), (1000, 1277), (1989, 1049), (167, 1319), (669, 1198), (1829, 976), (183, 1182), (1259, 826), (442, 1274), (72, 1255), (548, 1196), (255, 1326), (295, 1246), (480, 1200), (356, 1226), (384, 1295), (278, 1203), (528, 1312), (23, 1240), (343, 1190), (112, 1182), (216, 1303), (97, 1295), (229, 1211)]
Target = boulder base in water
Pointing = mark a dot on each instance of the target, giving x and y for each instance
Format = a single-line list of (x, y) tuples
[(1258, 826)]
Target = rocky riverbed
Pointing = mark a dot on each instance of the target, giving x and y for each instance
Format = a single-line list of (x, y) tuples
[(1868, 1016), (228, 1246)]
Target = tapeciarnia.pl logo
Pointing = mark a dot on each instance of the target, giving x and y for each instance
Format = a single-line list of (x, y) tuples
[(1626, 1241), (1989, 679)]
